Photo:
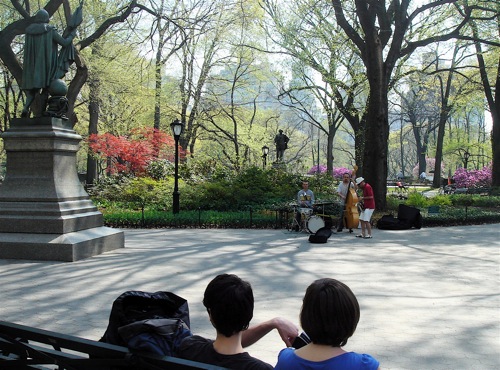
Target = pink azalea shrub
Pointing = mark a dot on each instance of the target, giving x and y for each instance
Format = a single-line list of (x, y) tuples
[(473, 178), (337, 172), (314, 169)]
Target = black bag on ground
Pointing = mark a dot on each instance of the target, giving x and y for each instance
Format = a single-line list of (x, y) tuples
[(138, 321), (389, 222), (408, 217), (321, 236)]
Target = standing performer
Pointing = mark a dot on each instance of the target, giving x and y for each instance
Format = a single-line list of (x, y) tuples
[(368, 200), (342, 190)]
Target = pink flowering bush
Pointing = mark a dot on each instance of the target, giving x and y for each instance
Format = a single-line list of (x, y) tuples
[(473, 178), (336, 172), (314, 169), (339, 172)]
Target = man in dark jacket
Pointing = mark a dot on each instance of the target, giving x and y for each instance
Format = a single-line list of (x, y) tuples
[(229, 302)]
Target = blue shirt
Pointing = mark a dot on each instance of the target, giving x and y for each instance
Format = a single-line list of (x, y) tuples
[(288, 360)]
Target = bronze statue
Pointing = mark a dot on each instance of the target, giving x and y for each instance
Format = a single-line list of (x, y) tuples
[(44, 65), (281, 141)]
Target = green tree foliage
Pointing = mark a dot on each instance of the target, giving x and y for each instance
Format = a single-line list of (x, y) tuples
[(145, 192), (384, 34)]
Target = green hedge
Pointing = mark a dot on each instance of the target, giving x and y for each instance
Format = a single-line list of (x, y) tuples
[(453, 216), (190, 219)]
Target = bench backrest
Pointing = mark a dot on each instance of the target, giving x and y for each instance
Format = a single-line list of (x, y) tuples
[(24, 347)]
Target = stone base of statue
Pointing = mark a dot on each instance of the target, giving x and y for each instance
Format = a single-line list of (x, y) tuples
[(279, 165), (45, 213)]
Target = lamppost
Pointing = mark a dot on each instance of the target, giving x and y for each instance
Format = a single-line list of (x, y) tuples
[(265, 152), (466, 158), (177, 128)]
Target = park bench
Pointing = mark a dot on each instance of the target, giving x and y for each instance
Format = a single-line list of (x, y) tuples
[(479, 190), (24, 347)]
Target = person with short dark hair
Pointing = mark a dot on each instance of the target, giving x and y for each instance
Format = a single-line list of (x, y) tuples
[(330, 314), (229, 302), (305, 202)]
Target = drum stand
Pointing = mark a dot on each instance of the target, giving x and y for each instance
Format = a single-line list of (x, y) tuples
[(309, 222), (299, 226)]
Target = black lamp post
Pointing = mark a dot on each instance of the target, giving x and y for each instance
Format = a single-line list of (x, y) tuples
[(466, 158), (177, 128), (265, 152)]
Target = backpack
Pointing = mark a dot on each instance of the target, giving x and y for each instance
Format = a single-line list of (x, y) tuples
[(321, 236), (156, 336), (148, 322)]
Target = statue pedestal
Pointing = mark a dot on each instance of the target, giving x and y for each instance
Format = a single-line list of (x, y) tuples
[(45, 213)]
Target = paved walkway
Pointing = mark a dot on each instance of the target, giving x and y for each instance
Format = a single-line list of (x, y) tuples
[(430, 298)]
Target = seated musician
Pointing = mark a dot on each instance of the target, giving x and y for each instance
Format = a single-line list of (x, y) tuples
[(305, 200)]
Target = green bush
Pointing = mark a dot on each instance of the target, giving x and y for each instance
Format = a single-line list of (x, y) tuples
[(253, 187), (416, 199), (392, 203), (453, 216), (190, 219), (160, 169), (475, 200), (439, 200)]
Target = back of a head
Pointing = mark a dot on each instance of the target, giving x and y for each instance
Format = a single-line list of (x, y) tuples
[(330, 312), (42, 16), (229, 301)]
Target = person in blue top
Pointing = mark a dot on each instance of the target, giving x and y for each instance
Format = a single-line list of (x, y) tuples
[(329, 316)]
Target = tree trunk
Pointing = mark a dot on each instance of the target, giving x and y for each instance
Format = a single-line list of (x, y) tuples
[(377, 125), (94, 84), (329, 149), (494, 105)]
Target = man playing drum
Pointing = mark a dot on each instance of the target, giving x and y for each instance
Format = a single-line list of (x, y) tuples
[(305, 200)]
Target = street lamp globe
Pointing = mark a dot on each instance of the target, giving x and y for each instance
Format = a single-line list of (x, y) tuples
[(177, 128)]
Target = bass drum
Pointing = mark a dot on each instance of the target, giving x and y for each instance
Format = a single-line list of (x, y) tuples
[(314, 223)]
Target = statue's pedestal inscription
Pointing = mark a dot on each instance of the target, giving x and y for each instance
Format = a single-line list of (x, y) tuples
[(45, 213)]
